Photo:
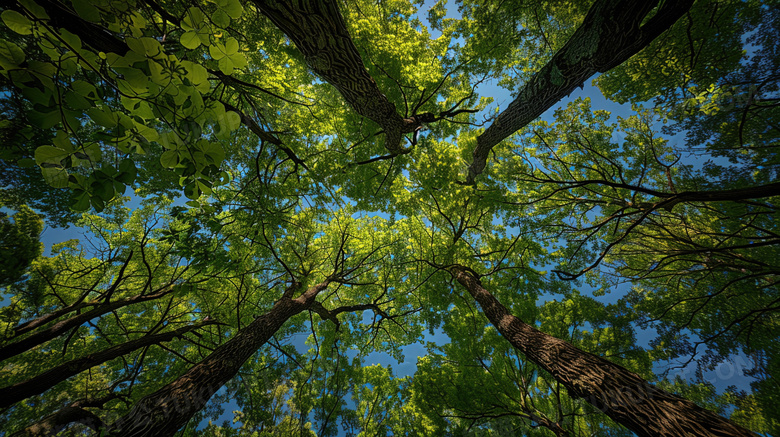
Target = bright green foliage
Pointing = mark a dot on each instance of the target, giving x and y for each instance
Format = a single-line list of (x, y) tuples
[(249, 174), (19, 243)]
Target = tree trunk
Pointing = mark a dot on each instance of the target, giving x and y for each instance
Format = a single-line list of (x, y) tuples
[(38, 384), (165, 411), (73, 413), (737, 194), (611, 33), (620, 394), (63, 326), (320, 34), (48, 317)]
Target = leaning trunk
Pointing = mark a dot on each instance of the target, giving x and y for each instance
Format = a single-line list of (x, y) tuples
[(163, 412), (612, 32), (46, 380), (63, 326), (620, 394)]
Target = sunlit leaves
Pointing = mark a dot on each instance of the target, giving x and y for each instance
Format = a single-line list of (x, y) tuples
[(17, 22)]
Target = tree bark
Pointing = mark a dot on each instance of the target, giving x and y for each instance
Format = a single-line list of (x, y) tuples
[(737, 194), (48, 317), (165, 411), (38, 384), (620, 394), (63, 326), (611, 33), (317, 29)]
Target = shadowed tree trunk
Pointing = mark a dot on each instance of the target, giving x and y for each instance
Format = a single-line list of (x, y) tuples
[(319, 32), (165, 411), (38, 384), (620, 394), (611, 33)]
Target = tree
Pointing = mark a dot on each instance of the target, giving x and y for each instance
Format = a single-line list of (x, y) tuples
[(20, 243), (620, 394), (337, 182)]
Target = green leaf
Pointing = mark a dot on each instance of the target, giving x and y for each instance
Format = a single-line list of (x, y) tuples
[(195, 72), (190, 40), (11, 56), (26, 162), (127, 171), (84, 88), (221, 18), (17, 22), (104, 117), (103, 189), (45, 120), (144, 46), (50, 154), (232, 120), (77, 101), (86, 10), (191, 190), (57, 177), (80, 200), (214, 152), (97, 203), (169, 159), (217, 51), (193, 19), (231, 46), (226, 66), (232, 7)]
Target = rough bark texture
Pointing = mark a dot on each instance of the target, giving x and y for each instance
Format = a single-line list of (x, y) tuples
[(63, 326), (163, 412), (610, 34), (39, 384), (620, 394), (317, 29)]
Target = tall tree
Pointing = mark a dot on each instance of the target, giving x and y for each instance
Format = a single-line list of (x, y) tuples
[(620, 394), (335, 150)]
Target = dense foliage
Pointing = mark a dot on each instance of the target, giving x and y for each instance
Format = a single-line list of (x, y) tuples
[(274, 194)]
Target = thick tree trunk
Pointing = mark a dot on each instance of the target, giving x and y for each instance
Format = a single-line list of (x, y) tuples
[(64, 326), (611, 33), (163, 412), (319, 32), (38, 384), (620, 394)]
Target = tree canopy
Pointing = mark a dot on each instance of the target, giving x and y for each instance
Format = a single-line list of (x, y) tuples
[(272, 194)]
